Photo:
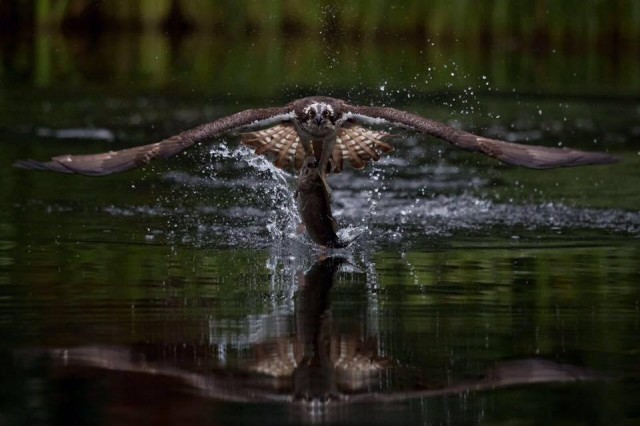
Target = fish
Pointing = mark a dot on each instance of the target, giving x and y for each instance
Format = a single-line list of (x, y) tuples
[(314, 206)]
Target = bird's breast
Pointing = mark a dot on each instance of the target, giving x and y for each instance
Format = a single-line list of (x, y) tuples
[(312, 132)]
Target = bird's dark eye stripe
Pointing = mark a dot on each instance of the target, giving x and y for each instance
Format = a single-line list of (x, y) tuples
[(312, 113), (325, 113)]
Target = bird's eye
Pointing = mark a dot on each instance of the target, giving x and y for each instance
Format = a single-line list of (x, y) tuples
[(326, 113), (312, 113)]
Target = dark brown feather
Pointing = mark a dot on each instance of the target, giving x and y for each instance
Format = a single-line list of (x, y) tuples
[(532, 156), (118, 161), (365, 146)]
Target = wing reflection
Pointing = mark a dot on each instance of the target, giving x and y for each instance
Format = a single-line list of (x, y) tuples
[(316, 363), (316, 366)]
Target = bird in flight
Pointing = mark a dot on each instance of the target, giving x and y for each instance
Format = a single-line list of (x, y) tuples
[(330, 129)]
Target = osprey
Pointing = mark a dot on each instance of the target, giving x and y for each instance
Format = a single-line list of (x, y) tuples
[(329, 129)]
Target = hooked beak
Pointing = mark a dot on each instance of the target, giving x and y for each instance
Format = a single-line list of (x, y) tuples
[(319, 120)]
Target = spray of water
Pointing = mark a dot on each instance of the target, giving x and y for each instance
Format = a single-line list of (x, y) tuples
[(281, 214)]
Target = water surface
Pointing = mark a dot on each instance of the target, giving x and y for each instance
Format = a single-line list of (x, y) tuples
[(478, 293)]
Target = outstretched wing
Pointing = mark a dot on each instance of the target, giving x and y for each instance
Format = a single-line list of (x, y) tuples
[(107, 163), (532, 156), (280, 141), (358, 145), (354, 143)]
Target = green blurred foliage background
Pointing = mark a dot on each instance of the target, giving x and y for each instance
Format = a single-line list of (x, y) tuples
[(571, 21), (269, 48)]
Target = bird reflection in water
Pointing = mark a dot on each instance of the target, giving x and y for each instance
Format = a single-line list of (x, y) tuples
[(314, 369), (317, 365)]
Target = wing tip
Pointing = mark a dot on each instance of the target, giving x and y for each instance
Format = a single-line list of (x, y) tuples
[(592, 159), (606, 158), (51, 166), (60, 167), (543, 157)]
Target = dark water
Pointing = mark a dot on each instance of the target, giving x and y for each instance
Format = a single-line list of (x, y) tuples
[(182, 293)]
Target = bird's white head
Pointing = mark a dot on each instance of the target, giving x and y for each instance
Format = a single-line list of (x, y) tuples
[(318, 118)]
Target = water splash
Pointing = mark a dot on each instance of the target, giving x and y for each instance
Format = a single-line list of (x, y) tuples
[(238, 199), (277, 195)]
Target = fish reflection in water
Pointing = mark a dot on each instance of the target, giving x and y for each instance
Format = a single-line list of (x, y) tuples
[(314, 369)]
